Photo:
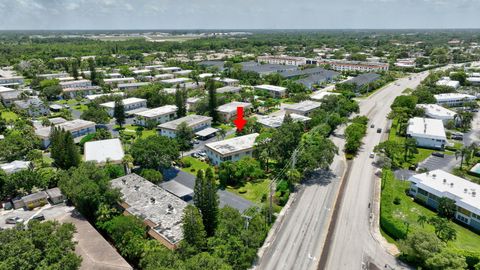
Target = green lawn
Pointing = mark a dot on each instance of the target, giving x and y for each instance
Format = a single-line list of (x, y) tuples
[(70, 102), (9, 115), (408, 211), (252, 191), (195, 165), (422, 154), (80, 107)]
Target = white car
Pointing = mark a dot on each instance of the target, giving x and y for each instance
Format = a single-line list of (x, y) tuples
[(14, 220), (372, 155)]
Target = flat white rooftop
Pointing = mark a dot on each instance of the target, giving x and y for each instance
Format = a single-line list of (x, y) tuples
[(453, 97), (434, 111), (271, 88), (319, 95), (126, 101), (444, 184), (304, 106), (93, 97), (276, 120), (232, 106), (191, 120), (119, 79), (101, 151), (233, 145), (175, 80), (167, 109), (426, 127)]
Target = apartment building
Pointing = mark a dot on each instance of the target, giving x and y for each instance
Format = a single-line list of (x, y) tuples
[(81, 91), (454, 99), (282, 60), (158, 115), (228, 111), (342, 65), (429, 187), (304, 108), (78, 128), (437, 112), (193, 121), (428, 133), (274, 91), (128, 103), (231, 149), (75, 84)]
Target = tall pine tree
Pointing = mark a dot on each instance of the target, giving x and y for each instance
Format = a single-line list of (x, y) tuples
[(193, 229), (75, 73), (63, 150), (119, 112), (180, 101), (212, 101), (206, 200)]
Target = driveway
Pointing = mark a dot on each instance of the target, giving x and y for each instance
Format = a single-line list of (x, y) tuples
[(226, 197), (474, 134)]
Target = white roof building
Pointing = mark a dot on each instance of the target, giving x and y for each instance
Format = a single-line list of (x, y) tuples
[(446, 81), (93, 97), (153, 113), (319, 95), (176, 80), (427, 132), (15, 166), (126, 102), (444, 184), (437, 112), (232, 106), (275, 91), (105, 150), (453, 99), (302, 108), (231, 149), (275, 120)]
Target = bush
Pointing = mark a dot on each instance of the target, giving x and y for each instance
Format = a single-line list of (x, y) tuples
[(187, 163), (242, 190), (397, 201), (151, 175)]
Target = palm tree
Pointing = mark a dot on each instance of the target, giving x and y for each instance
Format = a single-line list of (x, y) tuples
[(410, 147), (222, 132), (472, 149), (127, 162), (422, 220), (462, 153)]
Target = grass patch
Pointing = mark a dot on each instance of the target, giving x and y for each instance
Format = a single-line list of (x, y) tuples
[(195, 165), (398, 218), (9, 116), (253, 191)]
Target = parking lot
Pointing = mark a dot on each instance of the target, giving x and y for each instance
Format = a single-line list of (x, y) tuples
[(447, 163), (49, 212)]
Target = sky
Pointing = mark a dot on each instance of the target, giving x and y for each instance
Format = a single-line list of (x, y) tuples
[(238, 14)]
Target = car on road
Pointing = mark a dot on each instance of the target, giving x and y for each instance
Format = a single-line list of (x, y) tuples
[(66, 106), (14, 220), (372, 155), (438, 154), (379, 130), (39, 217), (372, 125)]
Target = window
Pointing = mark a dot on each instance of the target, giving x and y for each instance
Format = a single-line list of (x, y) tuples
[(423, 192), (462, 218)]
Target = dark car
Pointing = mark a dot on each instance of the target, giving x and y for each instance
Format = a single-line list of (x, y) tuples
[(39, 217), (379, 130), (438, 154), (372, 126), (457, 137)]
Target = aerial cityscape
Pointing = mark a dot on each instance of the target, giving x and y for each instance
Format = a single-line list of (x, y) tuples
[(200, 136)]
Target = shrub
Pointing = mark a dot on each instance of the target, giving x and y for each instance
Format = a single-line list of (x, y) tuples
[(151, 175), (187, 163), (397, 201), (242, 190)]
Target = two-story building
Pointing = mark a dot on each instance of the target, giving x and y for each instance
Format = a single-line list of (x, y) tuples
[(231, 149), (158, 115), (78, 128), (129, 104), (304, 108), (228, 111), (427, 132), (193, 121), (274, 91)]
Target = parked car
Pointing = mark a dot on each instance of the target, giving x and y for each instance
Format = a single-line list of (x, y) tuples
[(39, 217), (372, 155), (379, 130), (457, 137), (438, 154), (14, 220), (372, 126)]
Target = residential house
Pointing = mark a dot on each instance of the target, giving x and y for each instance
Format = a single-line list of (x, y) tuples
[(428, 133), (193, 121)]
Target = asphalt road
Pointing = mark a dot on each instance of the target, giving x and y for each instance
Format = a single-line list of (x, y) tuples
[(352, 241), (300, 239)]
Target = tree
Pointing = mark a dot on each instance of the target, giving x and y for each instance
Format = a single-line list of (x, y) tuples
[(419, 246), (204, 261), (212, 101), (18, 142), (153, 176), (181, 101), (87, 186), (63, 151), (446, 260), (226, 174), (247, 168), (422, 220), (96, 114), (46, 245), (316, 152), (193, 230), (75, 69), (184, 136), (154, 152), (285, 140), (443, 230), (206, 200), (410, 147), (446, 208), (119, 112)]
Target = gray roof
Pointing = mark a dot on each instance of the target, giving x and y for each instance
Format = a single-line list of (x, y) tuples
[(30, 102), (363, 79), (309, 71), (177, 189), (34, 197), (10, 94), (190, 120), (151, 202), (219, 64), (266, 68), (229, 89), (54, 192)]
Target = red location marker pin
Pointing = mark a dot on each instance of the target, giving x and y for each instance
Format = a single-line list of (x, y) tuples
[(239, 122)]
